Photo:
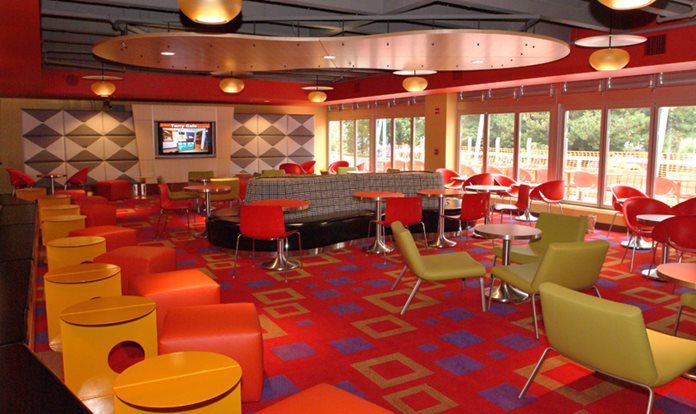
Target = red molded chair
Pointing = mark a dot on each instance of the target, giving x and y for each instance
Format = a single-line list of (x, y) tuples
[(407, 210), (474, 208), (681, 234), (447, 176), (308, 167), (685, 208), (584, 181), (168, 206), (334, 166), (19, 179), (521, 206), (480, 179), (291, 168), (504, 180), (495, 170), (360, 167), (664, 187), (79, 178), (641, 205), (550, 192), (660, 235), (264, 223), (620, 193)]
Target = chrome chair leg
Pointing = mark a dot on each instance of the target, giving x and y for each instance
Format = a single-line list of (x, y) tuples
[(398, 279), (676, 323), (483, 295), (534, 316), (411, 296), (534, 373)]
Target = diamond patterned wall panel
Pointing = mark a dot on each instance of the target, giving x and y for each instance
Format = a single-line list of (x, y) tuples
[(271, 163), (301, 146), (301, 125), (97, 170), (83, 123), (244, 146), (244, 165), (273, 146), (272, 124), (42, 123), (245, 124), (118, 123)]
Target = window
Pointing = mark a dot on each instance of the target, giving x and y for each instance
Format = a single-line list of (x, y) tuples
[(334, 141), (675, 154), (628, 132), (383, 144), (501, 143), (533, 151), (581, 149), (471, 144), (405, 148), (349, 140)]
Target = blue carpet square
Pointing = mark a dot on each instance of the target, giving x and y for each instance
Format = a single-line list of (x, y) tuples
[(428, 347), (186, 263), (352, 345), (457, 314), (256, 284), (340, 281), (378, 283), (431, 322), (502, 309), (278, 386), (358, 289), (462, 339), (349, 268), (348, 386), (517, 342), (327, 294), (606, 283), (674, 404), (460, 364), (505, 397), (225, 285), (293, 351), (497, 355), (312, 285), (346, 308), (383, 266), (643, 306), (305, 322)]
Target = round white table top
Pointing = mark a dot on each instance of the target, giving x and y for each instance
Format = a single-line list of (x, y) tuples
[(507, 232), (487, 188)]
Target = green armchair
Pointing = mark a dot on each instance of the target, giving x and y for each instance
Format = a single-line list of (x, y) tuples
[(573, 265), (177, 195), (610, 338)]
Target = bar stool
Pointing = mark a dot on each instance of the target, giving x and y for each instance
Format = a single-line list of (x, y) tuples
[(190, 382), (30, 193), (69, 251), (90, 331), (61, 210), (56, 227), (74, 284), (53, 200)]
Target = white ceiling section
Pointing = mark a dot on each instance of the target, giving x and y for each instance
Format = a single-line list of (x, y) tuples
[(71, 27)]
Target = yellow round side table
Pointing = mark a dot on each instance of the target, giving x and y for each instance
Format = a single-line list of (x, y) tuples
[(54, 200), (74, 284), (30, 193), (62, 210), (180, 382), (60, 226), (68, 251), (91, 329)]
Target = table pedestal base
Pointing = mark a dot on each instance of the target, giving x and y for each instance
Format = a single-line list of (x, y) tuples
[(652, 274), (523, 217), (378, 247), (642, 244), (442, 242), (281, 262), (690, 374), (507, 294)]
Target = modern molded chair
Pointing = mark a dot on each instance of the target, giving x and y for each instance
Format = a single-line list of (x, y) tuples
[(610, 338), (169, 206), (291, 168), (686, 207), (177, 195), (272, 173), (664, 187), (19, 179), (308, 167), (689, 300), (521, 206), (620, 193), (574, 265), (555, 228), (550, 192), (447, 176), (78, 179), (199, 174), (436, 267), (345, 170), (680, 235), (407, 210), (632, 208), (474, 207), (505, 181), (584, 181), (334, 166), (479, 179), (231, 197)]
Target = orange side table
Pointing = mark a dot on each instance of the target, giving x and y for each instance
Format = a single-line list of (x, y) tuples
[(56, 227), (68, 251)]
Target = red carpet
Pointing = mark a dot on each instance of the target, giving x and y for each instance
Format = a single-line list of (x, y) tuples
[(336, 321)]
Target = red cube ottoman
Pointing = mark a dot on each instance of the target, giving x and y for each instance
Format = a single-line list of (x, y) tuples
[(98, 214), (139, 260), (323, 399), (174, 289), (74, 194), (232, 329), (114, 189), (116, 236)]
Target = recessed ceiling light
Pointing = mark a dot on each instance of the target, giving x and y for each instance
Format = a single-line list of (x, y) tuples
[(477, 61), (167, 53), (329, 57)]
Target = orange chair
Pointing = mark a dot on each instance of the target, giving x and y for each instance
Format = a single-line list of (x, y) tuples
[(264, 223), (333, 167), (661, 234), (447, 176), (479, 179), (686, 207), (324, 399), (136, 261), (550, 192), (520, 207), (168, 206), (291, 168), (584, 181), (407, 210), (98, 214), (474, 208), (308, 167), (19, 179), (116, 236), (79, 178), (620, 193), (641, 205)]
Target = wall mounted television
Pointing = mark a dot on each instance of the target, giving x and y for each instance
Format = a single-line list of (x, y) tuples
[(184, 139)]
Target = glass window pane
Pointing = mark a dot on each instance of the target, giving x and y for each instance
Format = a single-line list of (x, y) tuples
[(627, 136), (501, 142), (383, 132), (334, 141), (676, 154), (348, 141), (470, 144), (402, 143), (534, 147), (419, 144), (363, 143), (581, 148)]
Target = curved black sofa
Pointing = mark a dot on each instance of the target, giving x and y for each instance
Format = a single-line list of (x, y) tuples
[(334, 216)]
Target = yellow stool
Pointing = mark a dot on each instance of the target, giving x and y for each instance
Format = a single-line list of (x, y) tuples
[(180, 382), (68, 251), (74, 284), (91, 329), (62, 210), (57, 227), (30, 193), (54, 200)]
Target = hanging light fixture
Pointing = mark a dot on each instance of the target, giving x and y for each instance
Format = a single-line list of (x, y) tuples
[(317, 95), (210, 11), (609, 58), (414, 82), (232, 85), (626, 4), (103, 87)]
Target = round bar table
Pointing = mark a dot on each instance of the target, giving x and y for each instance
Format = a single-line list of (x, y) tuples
[(683, 274), (281, 261), (507, 233), (52, 177), (441, 193), (378, 246), (651, 273), (207, 190)]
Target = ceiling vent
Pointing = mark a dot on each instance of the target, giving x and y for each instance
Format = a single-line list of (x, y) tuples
[(656, 45)]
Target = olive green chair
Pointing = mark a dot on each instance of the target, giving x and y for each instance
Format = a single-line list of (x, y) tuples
[(345, 170), (689, 300), (574, 265), (231, 197), (554, 228), (610, 338), (272, 173), (435, 267), (199, 174), (177, 195)]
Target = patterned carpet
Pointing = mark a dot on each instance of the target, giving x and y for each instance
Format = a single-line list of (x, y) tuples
[(336, 321)]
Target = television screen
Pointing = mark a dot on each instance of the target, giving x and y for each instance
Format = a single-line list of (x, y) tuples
[(185, 139)]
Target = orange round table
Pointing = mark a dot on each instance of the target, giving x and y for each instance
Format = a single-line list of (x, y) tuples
[(67, 251), (378, 246)]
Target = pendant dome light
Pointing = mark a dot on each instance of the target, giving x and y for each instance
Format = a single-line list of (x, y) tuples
[(626, 4), (210, 11), (414, 82), (103, 88), (317, 96), (232, 85), (609, 58)]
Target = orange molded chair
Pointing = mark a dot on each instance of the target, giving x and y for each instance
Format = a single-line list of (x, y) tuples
[(686, 207), (333, 167), (584, 181), (447, 176), (407, 210), (168, 206), (19, 179), (308, 167), (620, 193), (521, 206), (641, 205), (550, 192), (291, 168), (479, 179), (79, 178), (474, 208)]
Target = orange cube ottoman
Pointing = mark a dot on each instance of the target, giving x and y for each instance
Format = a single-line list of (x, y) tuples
[(98, 214), (139, 260), (114, 189), (74, 194), (232, 329), (175, 289), (323, 399), (116, 236)]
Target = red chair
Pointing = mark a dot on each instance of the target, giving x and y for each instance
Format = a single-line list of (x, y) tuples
[(168, 206), (521, 207), (583, 181), (494, 170), (680, 236), (479, 179), (505, 181), (264, 223), (360, 167), (308, 167), (78, 179), (407, 210), (664, 187), (685, 208), (660, 235), (641, 205), (620, 193), (19, 179), (334, 166), (550, 192), (291, 168), (474, 208), (447, 176)]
